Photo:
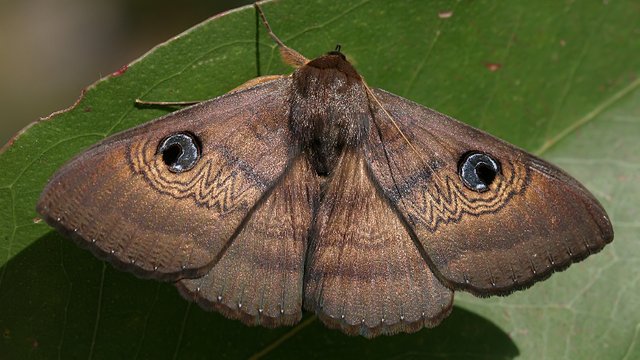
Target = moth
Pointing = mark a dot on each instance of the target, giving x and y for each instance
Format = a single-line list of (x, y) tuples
[(315, 191)]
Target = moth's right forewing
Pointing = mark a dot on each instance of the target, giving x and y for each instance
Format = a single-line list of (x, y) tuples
[(532, 220), (120, 200)]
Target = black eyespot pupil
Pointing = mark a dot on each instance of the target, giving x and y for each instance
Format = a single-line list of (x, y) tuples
[(180, 151), (171, 155), (478, 170), (485, 173)]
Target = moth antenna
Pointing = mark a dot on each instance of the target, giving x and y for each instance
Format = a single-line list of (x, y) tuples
[(289, 56), (395, 124), (140, 102)]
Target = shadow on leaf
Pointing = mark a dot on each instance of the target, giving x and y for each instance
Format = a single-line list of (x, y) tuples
[(57, 300)]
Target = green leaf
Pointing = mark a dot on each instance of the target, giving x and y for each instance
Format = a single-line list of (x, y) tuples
[(558, 78)]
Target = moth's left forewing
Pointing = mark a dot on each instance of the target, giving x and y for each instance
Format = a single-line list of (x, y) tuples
[(122, 200), (533, 219)]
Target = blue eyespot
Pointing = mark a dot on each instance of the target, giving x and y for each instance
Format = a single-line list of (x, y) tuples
[(180, 152), (478, 170)]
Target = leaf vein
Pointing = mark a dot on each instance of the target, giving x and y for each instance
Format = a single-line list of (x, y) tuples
[(499, 77), (99, 309), (589, 116)]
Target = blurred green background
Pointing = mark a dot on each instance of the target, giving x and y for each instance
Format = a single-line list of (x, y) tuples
[(52, 49)]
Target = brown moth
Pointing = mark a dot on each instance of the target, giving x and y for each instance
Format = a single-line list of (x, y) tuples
[(314, 191)]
